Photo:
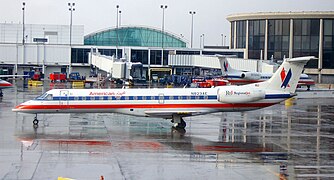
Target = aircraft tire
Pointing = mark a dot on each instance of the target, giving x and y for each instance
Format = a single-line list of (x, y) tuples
[(35, 122), (181, 125)]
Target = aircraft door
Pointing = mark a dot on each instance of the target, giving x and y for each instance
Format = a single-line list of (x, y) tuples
[(161, 98), (63, 101)]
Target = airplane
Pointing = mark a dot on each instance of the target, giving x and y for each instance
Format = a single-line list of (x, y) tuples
[(239, 77), (171, 103), (5, 84)]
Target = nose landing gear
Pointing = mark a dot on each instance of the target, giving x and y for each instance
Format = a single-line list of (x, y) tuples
[(35, 122)]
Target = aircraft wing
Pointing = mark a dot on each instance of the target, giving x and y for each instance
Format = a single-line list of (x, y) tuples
[(2, 76), (168, 114)]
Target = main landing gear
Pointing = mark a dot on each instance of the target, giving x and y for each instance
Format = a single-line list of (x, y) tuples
[(178, 122), (1, 94)]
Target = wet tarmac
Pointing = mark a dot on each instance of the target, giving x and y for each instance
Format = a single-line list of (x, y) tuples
[(292, 140)]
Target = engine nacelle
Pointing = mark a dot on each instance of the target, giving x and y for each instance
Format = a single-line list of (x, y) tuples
[(251, 75), (239, 94)]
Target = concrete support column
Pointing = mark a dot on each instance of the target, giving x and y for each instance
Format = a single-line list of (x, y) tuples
[(235, 35), (149, 63), (321, 39), (266, 41), (231, 35), (291, 39), (247, 38)]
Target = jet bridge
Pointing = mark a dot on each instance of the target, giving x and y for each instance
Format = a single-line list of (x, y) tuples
[(211, 62), (115, 68)]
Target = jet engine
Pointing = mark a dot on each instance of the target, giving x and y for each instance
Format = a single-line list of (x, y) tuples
[(239, 94), (251, 75)]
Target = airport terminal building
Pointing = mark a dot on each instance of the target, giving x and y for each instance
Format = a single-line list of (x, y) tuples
[(275, 35), (48, 48), (52, 48)]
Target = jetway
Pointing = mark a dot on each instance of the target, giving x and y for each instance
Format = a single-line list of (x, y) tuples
[(212, 62), (115, 68)]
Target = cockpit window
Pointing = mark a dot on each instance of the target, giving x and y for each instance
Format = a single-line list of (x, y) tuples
[(48, 97), (44, 96), (41, 97)]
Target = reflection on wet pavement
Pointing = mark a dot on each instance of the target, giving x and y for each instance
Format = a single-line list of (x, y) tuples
[(293, 141)]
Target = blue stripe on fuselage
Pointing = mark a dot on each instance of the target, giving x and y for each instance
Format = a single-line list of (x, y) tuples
[(277, 96)]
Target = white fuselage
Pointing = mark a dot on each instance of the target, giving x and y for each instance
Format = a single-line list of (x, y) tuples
[(143, 102)]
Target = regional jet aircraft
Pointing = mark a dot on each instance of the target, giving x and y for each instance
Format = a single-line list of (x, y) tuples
[(239, 77), (171, 103)]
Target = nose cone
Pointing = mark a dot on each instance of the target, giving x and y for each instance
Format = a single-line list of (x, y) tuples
[(19, 108), (5, 84), (24, 107)]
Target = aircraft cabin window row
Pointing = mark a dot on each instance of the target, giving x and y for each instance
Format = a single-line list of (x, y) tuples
[(49, 97)]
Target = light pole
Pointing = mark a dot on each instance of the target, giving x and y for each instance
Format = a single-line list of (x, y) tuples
[(71, 9), (222, 39), (117, 6), (192, 13), (202, 36), (120, 16), (23, 28), (163, 7)]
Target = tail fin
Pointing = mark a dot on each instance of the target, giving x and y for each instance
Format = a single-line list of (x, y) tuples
[(225, 66), (287, 75)]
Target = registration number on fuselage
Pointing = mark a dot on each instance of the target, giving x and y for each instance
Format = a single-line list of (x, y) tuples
[(199, 93)]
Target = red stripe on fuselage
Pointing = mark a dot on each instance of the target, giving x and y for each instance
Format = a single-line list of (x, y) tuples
[(5, 85), (141, 106)]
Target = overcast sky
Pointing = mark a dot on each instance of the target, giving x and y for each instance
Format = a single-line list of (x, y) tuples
[(210, 17)]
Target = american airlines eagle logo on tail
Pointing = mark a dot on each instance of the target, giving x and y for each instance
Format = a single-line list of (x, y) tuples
[(285, 77), (226, 66)]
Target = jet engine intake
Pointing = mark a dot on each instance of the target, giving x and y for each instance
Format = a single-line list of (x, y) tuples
[(251, 75)]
